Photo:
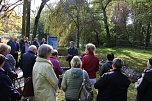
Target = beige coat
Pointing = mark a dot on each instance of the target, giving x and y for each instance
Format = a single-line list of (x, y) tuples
[(45, 82)]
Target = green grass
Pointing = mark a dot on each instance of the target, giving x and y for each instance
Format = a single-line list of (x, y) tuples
[(133, 58)]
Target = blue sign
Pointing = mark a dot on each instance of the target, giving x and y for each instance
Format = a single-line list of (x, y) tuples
[(53, 41)]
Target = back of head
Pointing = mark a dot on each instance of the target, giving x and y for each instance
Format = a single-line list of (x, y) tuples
[(72, 43), (44, 50), (2, 59), (118, 63), (32, 48), (3, 47), (90, 47), (54, 52), (110, 56), (76, 62), (150, 61)]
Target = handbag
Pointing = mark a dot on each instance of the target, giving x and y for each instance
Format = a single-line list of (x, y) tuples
[(28, 90), (85, 93)]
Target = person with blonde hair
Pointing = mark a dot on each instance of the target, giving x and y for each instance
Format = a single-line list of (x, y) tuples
[(45, 82), (73, 79), (90, 62)]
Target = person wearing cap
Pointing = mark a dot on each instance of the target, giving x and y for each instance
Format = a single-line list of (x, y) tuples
[(113, 86), (56, 65), (144, 84)]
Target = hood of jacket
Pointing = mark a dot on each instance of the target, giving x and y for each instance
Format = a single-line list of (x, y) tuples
[(76, 72)]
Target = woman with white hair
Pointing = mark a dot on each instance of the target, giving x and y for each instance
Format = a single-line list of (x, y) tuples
[(73, 79), (45, 82), (5, 50)]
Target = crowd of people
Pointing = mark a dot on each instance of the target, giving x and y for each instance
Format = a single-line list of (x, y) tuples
[(40, 63)]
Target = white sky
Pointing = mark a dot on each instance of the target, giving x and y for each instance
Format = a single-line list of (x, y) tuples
[(34, 5)]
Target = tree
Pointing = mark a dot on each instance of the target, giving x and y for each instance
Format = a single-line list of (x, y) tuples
[(103, 7), (7, 7), (43, 3)]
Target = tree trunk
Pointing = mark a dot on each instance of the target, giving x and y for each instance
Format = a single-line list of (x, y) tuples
[(38, 17), (106, 24), (97, 37), (78, 27), (147, 36), (28, 19), (24, 18)]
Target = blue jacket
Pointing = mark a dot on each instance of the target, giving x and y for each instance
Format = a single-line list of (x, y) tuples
[(7, 90), (13, 47), (27, 62)]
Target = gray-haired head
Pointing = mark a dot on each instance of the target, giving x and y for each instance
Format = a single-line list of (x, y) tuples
[(76, 62), (90, 48), (32, 48), (118, 63), (4, 49), (44, 51)]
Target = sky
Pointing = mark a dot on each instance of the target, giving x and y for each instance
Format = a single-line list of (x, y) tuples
[(34, 5)]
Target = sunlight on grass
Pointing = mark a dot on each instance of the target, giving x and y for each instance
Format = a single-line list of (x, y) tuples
[(133, 58)]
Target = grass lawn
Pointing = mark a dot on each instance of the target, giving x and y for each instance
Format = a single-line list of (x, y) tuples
[(133, 58)]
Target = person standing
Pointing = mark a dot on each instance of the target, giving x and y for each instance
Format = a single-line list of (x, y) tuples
[(27, 61), (7, 90), (17, 47), (113, 86), (56, 65), (36, 43), (43, 41), (107, 65), (11, 43), (72, 51), (73, 78), (90, 62), (5, 50), (45, 82), (144, 84)]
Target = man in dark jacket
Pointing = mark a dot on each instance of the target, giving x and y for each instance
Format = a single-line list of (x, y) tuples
[(7, 90), (144, 84), (107, 65), (27, 61), (72, 51), (113, 86), (35, 42)]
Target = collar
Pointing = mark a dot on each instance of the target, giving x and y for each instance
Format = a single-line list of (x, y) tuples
[(53, 57), (38, 59), (31, 52)]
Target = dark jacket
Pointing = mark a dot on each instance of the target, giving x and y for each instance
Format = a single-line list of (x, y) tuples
[(9, 69), (7, 90), (13, 47), (112, 86), (27, 62), (36, 43), (105, 67), (144, 89)]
